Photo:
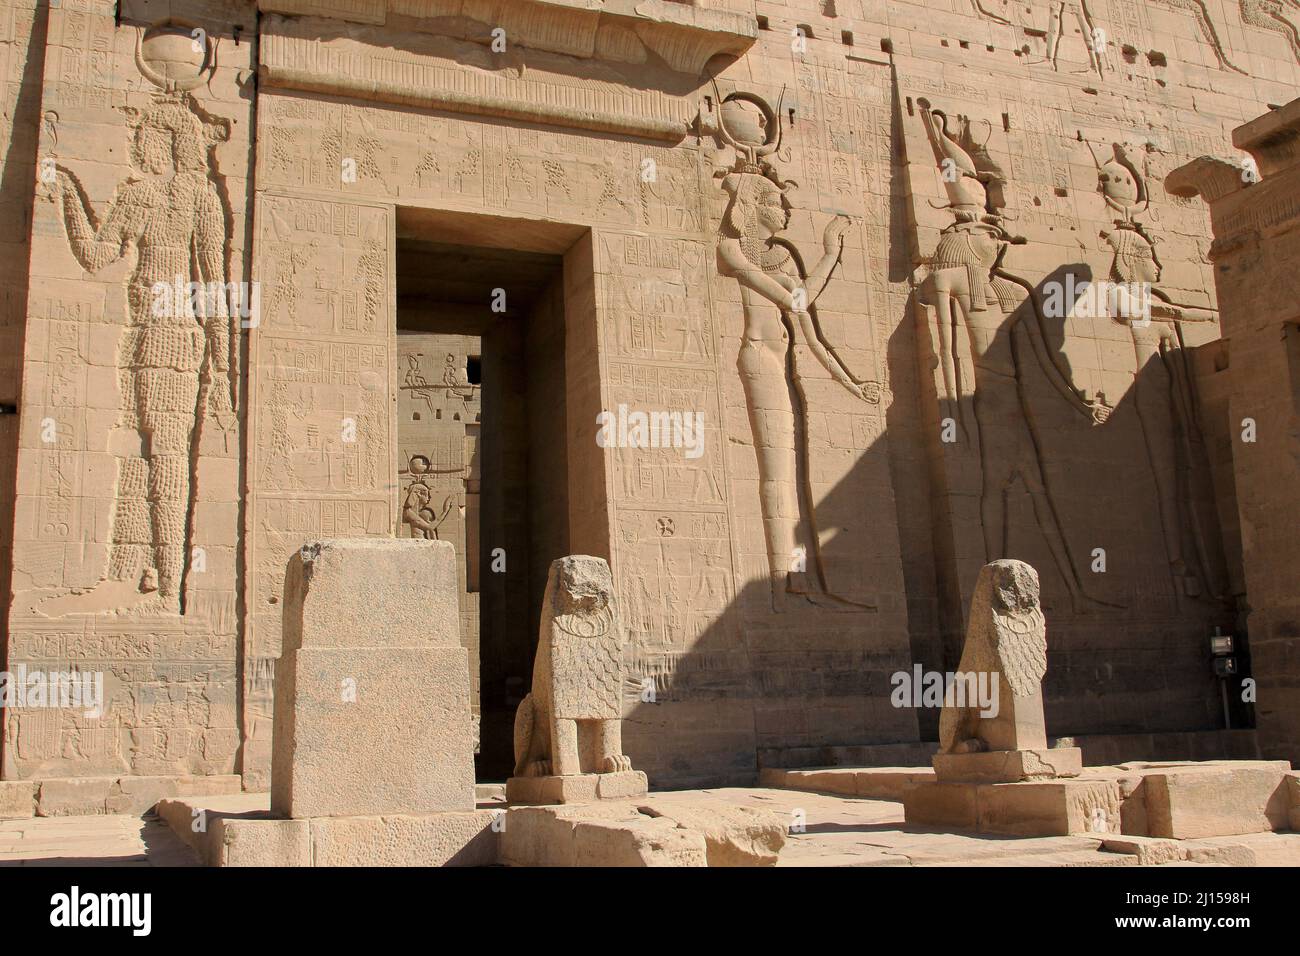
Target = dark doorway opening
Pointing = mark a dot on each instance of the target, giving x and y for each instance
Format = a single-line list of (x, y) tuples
[(482, 449)]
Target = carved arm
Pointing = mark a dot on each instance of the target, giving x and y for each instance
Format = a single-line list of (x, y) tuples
[(95, 247)]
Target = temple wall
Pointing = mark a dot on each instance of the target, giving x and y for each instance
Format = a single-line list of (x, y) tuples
[(167, 470), (128, 418), (1253, 377)]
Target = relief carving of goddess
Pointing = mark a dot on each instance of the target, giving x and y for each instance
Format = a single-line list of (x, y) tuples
[(174, 354), (779, 296)]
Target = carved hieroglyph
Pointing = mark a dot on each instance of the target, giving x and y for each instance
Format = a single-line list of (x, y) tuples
[(125, 548), (175, 353), (322, 378), (414, 125), (779, 296), (572, 722)]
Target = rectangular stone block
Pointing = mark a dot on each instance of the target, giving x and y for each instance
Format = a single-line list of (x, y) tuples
[(437, 839), (1149, 851), (1049, 807), (361, 732), (597, 835), (539, 836), (877, 783), (635, 843), (372, 592), (137, 795), (576, 788), (943, 805), (261, 842), (17, 798), (193, 819), (73, 796), (1027, 808), (1009, 766), (1217, 800), (734, 836)]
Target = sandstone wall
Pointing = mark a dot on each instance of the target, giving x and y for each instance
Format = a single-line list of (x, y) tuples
[(1253, 377), (102, 368), (328, 132)]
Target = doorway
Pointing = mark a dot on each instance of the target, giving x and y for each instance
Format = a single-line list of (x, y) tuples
[(482, 443)]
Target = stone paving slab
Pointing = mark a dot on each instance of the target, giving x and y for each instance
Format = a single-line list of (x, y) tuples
[(829, 831), (98, 840)]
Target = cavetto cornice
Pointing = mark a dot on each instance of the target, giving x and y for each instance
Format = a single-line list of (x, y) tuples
[(625, 66)]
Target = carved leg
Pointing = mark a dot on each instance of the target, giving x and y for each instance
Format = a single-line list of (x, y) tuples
[(771, 419), (993, 510), (612, 757), (1080, 600), (1030, 469), (532, 737), (564, 747), (1157, 429)]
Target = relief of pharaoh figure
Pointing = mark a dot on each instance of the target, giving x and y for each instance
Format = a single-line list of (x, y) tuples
[(980, 307), (174, 355), (779, 296), (1164, 394)]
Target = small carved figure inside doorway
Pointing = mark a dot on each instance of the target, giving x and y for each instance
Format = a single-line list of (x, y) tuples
[(416, 511)]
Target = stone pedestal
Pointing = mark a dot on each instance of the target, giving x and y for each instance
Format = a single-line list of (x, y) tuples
[(1009, 766), (1029, 808), (576, 788), (372, 703)]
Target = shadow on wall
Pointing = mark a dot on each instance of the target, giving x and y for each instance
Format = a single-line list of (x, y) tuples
[(1129, 498), (1132, 660), (16, 193)]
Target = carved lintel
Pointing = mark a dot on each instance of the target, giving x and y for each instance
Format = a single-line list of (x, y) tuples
[(684, 35), (441, 72), (630, 67)]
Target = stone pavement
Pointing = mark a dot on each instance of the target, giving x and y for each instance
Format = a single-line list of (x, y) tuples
[(836, 831), (845, 831), (103, 840)]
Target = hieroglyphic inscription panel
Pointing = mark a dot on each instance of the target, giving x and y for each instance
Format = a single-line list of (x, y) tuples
[(322, 461)]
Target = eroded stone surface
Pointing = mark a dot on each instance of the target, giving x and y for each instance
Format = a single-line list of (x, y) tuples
[(374, 717), (898, 373), (436, 839), (569, 728), (602, 834), (822, 830), (17, 799), (733, 836), (1216, 801)]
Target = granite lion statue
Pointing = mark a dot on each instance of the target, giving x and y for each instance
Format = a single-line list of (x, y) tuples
[(571, 723), (1006, 637)]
